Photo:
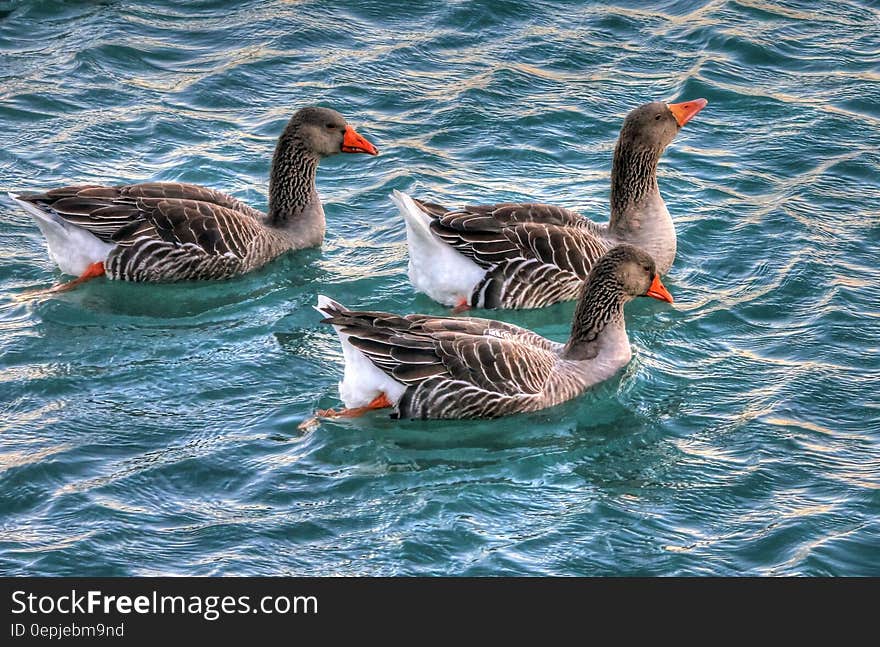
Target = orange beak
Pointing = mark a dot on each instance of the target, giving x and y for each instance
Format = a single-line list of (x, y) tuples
[(354, 143), (685, 111), (658, 290)]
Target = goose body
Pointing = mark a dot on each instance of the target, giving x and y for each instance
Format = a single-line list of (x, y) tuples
[(169, 231), (528, 255), (154, 231), (447, 367)]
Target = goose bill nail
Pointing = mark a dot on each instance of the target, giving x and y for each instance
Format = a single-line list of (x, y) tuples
[(354, 143), (658, 290), (685, 111)]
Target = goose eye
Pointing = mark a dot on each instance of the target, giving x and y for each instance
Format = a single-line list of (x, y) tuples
[(657, 118), (331, 126)]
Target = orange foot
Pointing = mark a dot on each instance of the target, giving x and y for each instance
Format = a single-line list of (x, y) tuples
[(462, 306), (379, 402), (93, 271)]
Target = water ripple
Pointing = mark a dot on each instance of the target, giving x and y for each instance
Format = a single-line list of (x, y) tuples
[(153, 430)]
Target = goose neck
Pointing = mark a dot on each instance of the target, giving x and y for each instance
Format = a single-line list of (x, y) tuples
[(633, 182), (292, 192), (598, 320)]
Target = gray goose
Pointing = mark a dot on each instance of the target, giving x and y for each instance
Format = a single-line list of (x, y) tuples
[(447, 367), (531, 255), (169, 231)]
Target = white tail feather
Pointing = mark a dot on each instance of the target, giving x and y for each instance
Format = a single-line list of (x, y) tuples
[(362, 381), (435, 268), (326, 302), (72, 248)]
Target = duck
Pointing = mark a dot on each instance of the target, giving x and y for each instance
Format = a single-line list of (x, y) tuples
[(171, 231), (528, 255), (443, 367)]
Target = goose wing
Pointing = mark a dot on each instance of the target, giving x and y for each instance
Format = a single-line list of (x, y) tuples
[(534, 254), (490, 234), (173, 212), (495, 357)]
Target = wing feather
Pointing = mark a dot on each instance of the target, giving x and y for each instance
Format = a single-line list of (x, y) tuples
[(174, 212), (533, 254), (491, 356)]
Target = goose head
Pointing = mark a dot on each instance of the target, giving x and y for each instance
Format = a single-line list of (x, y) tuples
[(632, 272), (654, 125), (324, 132)]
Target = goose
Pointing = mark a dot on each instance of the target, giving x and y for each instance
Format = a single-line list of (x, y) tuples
[(170, 231), (462, 367), (525, 255)]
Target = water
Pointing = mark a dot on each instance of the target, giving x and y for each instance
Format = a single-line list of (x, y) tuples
[(153, 429)]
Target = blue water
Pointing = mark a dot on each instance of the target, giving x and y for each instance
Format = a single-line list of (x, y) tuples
[(152, 430)]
